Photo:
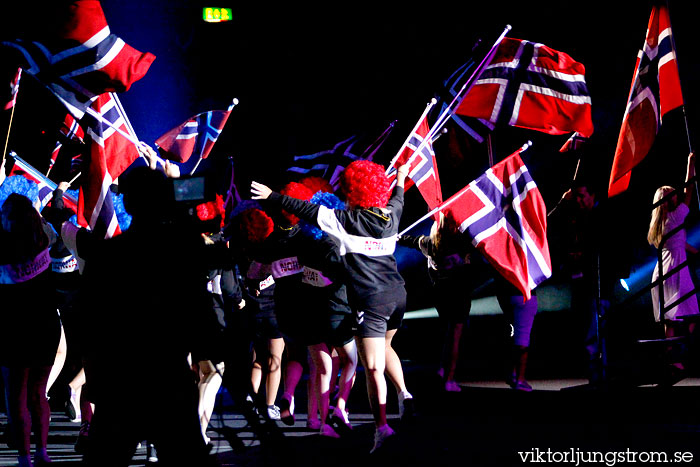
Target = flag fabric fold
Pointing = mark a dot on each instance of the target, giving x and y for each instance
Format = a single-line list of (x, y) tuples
[(656, 90), (85, 60), (109, 155), (423, 171), (45, 185), (504, 215), (14, 89), (194, 137), (530, 85)]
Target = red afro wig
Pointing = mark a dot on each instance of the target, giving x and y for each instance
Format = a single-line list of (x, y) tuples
[(365, 185), (256, 225), (316, 184), (298, 191)]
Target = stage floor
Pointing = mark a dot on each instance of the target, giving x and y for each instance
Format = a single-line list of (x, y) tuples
[(486, 424)]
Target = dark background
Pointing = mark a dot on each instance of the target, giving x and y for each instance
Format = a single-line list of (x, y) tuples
[(308, 77)]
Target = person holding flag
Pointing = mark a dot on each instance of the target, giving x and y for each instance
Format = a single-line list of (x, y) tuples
[(367, 235)]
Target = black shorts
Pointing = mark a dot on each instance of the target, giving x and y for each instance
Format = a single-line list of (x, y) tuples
[(266, 327), (376, 320)]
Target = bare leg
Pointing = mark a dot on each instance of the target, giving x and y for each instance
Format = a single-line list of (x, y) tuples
[(320, 355), (59, 361), (372, 352), (209, 384), (394, 370), (347, 356), (274, 367)]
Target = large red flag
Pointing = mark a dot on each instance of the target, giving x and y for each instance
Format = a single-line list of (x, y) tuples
[(110, 154), (504, 214), (530, 85), (84, 59), (656, 89)]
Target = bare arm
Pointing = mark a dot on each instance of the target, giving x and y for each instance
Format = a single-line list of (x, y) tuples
[(690, 173), (401, 174)]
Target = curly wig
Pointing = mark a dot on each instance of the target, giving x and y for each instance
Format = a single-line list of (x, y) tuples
[(298, 191), (365, 184), (317, 184), (256, 226), (328, 200)]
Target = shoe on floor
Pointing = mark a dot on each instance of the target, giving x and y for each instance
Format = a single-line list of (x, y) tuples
[(73, 407), (522, 386), (380, 436), (328, 431), (287, 409), (340, 419), (452, 386), (313, 424), (151, 454), (273, 412)]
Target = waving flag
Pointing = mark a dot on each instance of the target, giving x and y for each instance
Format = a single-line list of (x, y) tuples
[(85, 60), (196, 136), (656, 90), (14, 88), (46, 186), (476, 128), (423, 169), (504, 214), (530, 85), (110, 154)]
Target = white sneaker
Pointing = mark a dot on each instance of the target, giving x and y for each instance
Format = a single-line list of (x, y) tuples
[(273, 412), (406, 409), (328, 431), (380, 436), (342, 417)]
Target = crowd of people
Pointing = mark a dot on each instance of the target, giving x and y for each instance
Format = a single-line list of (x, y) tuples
[(301, 279)]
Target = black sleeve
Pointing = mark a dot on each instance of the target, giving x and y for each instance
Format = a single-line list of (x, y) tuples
[(303, 209)]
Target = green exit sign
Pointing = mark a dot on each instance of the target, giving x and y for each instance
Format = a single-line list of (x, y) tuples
[(216, 15)]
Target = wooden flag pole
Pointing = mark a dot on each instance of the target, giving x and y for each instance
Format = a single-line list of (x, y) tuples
[(9, 126)]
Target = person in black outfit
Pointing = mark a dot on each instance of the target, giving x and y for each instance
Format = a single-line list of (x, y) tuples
[(145, 389)]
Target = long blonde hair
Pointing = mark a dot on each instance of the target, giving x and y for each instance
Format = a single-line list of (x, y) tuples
[(659, 214)]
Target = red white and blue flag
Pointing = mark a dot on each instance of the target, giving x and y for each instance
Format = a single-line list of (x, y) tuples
[(423, 168), (656, 90), (85, 61), (194, 137), (530, 85), (504, 214), (327, 164), (14, 89), (45, 185), (110, 154)]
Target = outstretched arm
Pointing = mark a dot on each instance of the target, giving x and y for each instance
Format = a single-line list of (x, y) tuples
[(690, 173)]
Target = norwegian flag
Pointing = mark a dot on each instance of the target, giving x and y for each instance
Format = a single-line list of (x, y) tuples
[(656, 90), (504, 214), (328, 164), (14, 89), (46, 186), (476, 128), (532, 86), (71, 129), (85, 61), (423, 169), (196, 136), (110, 154)]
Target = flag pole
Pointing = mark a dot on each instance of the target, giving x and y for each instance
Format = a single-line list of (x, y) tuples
[(450, 110), (230, 108), (685, 115), (9, 126), (428, 106), (454, 198)]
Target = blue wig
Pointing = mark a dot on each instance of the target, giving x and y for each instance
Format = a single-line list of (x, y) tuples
[(322, 198), (21, 185)]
